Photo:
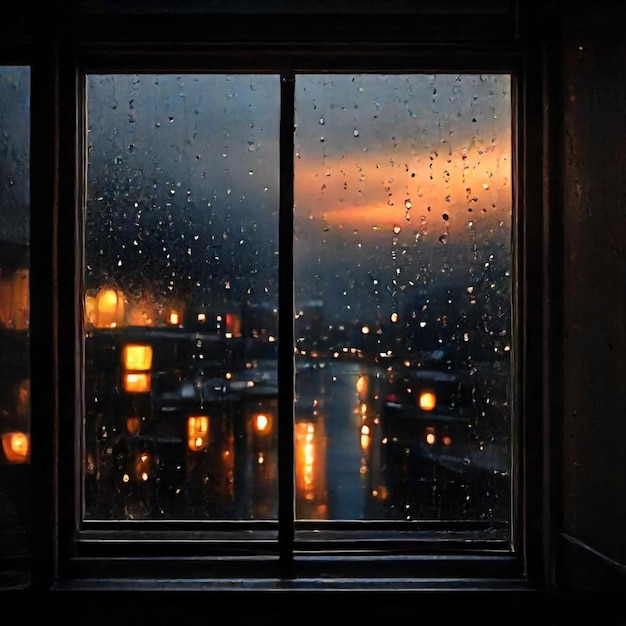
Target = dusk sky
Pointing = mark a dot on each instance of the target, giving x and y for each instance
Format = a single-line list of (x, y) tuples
[(396, 176), (15, 154)]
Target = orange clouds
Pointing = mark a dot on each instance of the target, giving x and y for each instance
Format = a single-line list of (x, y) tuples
[(385, 192)]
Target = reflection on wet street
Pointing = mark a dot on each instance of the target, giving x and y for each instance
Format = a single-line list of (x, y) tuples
[(372, 441), (351, 461), (329, 483)]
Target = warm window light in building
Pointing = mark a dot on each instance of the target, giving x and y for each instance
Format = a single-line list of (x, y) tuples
[(137, 361), (174, 318), (430, 436), (109, 310), (197, 432), (14, 300), (427, 400), (137, 357), (16, 446), (262, 423), (137, 382)]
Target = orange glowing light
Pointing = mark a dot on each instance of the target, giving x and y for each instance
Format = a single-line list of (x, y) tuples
[(109, 309), (137, 382), (430, 436), (133, 425), (16, 446), (197, 432), (262, 423), (233, 325), (137, 357), (427, 400), (361, 386), (365, 437), (143, 467)]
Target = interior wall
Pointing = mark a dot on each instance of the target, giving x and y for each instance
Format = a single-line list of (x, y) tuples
[(594, 280)]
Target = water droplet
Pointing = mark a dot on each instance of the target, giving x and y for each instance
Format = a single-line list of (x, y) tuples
[(355, 132), (396, 228), (443, 238)]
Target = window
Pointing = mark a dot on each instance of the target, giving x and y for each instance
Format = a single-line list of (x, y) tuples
[(297, 428), (289, 308), (295, 337), (402, 268), (15, 475)]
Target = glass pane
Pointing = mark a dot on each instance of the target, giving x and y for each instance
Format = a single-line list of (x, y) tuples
[(14, 314), (403, 207), (181, 284)]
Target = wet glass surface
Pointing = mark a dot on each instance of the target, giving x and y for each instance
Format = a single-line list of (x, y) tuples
[(403, 282), (181, 280), (15, 490), (402, 263)]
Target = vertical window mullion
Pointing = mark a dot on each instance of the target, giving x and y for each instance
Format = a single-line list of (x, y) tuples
[(286, 396)]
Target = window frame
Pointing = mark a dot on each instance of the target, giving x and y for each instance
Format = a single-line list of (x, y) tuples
[(83, 558)]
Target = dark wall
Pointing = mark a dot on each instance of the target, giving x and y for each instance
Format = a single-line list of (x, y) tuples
[(593, 221)]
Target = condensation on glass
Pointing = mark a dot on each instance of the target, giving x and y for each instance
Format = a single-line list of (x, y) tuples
[(181, 296), (15, 498), (403, 215), (402, 321)]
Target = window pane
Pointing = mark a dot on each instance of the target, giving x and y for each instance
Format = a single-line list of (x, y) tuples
[(181, 284), (403, 208), (14, 312)]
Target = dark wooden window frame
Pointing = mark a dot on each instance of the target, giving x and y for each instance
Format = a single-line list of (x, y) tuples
[(71, 555)]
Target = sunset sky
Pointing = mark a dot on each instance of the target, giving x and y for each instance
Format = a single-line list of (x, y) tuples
[(388, 169)]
